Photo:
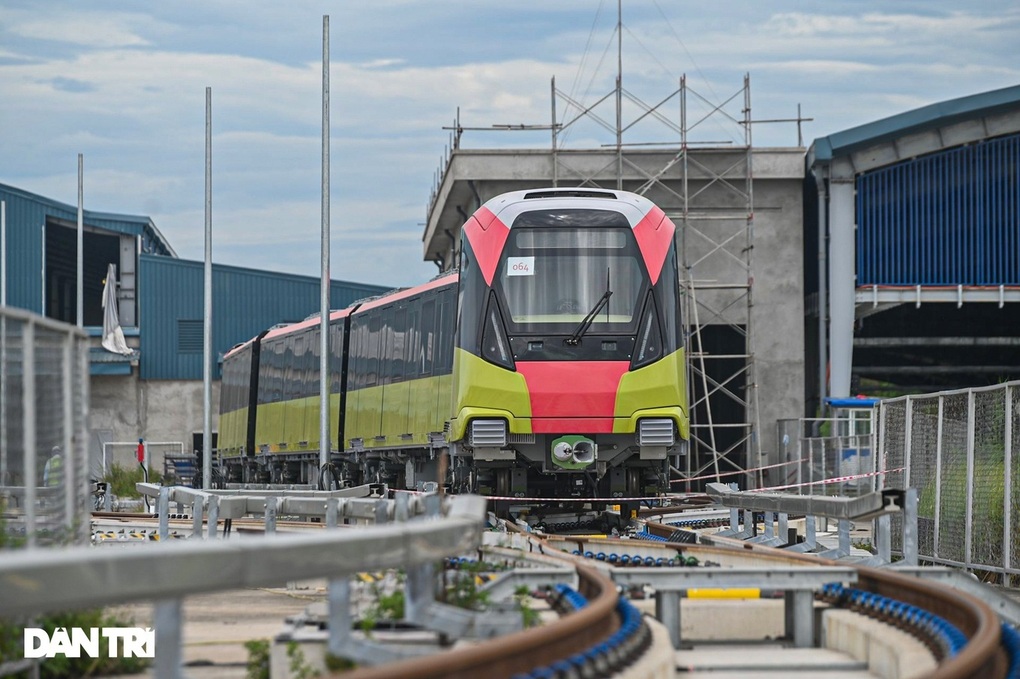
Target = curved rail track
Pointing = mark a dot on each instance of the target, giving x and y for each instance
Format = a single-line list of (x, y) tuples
[(572, 634), (982, 653)]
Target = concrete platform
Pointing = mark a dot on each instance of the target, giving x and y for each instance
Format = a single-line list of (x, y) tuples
[(730, 661)]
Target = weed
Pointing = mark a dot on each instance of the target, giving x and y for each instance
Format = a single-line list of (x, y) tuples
[(258, 658)]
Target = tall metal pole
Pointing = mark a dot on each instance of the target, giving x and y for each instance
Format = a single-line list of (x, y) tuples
[(324, 447), (552, 125), (81, 242), (3, 252), (619, 95), (3, 344), (207, 447)]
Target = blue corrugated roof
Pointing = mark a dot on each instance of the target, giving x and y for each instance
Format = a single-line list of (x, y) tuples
[(925, 118), (137, 225)]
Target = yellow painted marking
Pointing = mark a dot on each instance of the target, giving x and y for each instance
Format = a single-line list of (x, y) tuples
[(719, 593)]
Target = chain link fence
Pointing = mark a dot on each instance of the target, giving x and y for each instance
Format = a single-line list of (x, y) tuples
[(959, 449), (44, 484)]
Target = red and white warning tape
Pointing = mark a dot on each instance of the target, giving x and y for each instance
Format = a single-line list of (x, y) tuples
[(838, 479)]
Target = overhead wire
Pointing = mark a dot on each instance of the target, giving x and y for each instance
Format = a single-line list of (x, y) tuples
[(694, 63)]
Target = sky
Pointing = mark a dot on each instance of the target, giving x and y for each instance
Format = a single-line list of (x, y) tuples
[(124, 83)]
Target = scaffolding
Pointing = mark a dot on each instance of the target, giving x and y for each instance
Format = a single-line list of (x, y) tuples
[(706, 187)]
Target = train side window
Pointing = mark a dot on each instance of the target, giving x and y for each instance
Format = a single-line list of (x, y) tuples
[(428, 325), (385, 344), (397, 355), (310, 364), (336, 349), (373, 346), (293, 355), (413, 342), (355, 364), (274, 371), (444, 352)]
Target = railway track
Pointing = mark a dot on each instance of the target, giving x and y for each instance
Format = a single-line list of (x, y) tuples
[(567, 647), (599, 631)]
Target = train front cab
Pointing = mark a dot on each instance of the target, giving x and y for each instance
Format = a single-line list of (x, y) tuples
[(569, 371)]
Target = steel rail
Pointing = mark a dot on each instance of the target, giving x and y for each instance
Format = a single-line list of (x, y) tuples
[(522, 651)]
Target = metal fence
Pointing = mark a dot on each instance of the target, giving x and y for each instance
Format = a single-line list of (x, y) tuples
[(828, 456), (959, 449), (44, 485)]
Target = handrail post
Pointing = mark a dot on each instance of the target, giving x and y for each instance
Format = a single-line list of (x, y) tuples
[(910, 526), (197, 510), (270, 516), (667, 610), (168, 639), (332, 512), (163, 511), (339, 596), (214, 515)]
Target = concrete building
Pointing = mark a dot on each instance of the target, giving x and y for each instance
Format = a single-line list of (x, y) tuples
[(739, 213), (864, 256), (154, 392)]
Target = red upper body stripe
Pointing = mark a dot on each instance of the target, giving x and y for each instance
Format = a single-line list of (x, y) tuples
[(654, 236), (487, 236), (398, 295), (301, 325), (573, 390)]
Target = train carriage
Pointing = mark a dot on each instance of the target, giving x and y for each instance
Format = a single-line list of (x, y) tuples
[(550, 365)]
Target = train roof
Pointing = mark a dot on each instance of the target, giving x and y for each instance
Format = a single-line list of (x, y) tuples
[(311, 321), (439, 281), (508, 206), (284, 329)]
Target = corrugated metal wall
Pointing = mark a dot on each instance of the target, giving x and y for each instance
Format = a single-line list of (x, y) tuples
[(25, 220), (26, 215), (245, 302), (951, 218)]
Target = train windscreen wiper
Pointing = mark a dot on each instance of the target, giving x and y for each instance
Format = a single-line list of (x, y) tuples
[(586, 322)]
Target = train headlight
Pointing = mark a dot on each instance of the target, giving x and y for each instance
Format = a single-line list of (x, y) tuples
[(573, 452), (656, 432), (487, 433), (562, 451)]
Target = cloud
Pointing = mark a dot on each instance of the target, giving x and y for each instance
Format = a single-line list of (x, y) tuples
[(125, 85), (87, 29)]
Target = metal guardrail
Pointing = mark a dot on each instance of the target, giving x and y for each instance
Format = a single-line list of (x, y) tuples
[(365, 503), (35, 581), (879, 506)]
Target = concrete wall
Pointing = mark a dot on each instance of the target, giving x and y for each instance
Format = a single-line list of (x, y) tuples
[(778, 311), (713, 244), (124, 409)]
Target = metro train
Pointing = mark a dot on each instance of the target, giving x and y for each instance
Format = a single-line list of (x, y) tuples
[(550, 364)]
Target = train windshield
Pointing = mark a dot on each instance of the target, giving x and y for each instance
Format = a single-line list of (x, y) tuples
[(555, 281)]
